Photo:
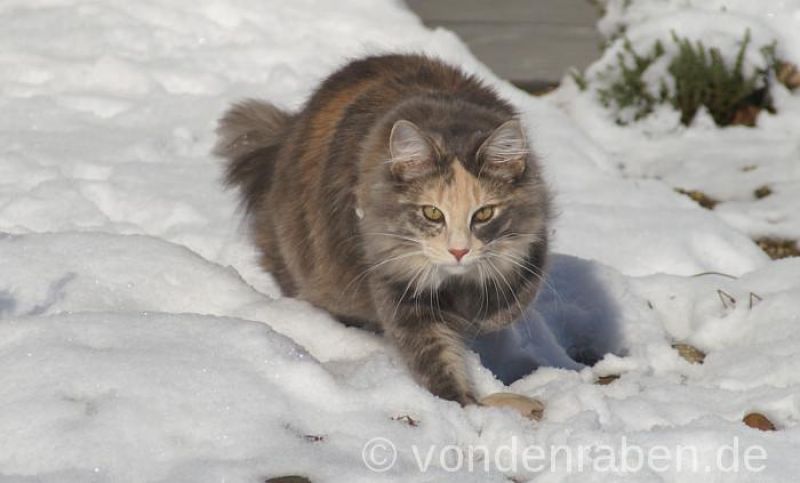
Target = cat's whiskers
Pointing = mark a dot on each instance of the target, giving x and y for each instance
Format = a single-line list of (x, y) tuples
[(425, 282), (560, 301), (517, 261), (539, 275), (482, 309), (437, 309), (472, 328), (405, 291), (508, 285), (378, 265), (439, 306), (394, 235), (513, 236)]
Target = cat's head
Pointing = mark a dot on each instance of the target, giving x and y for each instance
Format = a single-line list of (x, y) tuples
[(466, 208)]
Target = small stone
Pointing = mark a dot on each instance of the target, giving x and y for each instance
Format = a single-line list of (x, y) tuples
[(527, 407), (758, 421), (606, 380), (690, 353)]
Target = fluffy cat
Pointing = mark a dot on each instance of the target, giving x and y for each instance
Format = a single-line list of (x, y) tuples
[(403, 198)]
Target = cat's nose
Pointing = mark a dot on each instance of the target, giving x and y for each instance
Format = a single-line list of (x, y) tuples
[(458, 252)]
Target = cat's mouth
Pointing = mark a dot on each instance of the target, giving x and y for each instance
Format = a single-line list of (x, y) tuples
[(457, 268)]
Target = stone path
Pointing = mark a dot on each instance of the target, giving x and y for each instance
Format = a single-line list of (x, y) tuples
[(530, 42)]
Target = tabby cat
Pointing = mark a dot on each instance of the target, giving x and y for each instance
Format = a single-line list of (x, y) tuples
[(403, 198)]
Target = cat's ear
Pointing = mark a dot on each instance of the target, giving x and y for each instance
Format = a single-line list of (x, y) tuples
[(413, 153), (505, 153)]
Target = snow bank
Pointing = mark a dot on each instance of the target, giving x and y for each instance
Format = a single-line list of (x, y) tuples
[(140, 341), (727, 164)]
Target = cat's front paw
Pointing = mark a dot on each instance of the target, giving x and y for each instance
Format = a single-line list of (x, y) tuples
[(468, 400), (453, 392)]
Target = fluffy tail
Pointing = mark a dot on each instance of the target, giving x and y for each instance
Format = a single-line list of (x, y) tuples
[(249, 136)]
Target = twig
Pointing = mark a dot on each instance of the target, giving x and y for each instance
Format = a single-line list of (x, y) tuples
[(726, 298)]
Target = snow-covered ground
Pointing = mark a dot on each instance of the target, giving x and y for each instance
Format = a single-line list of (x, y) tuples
[(728, 165), (140, 342)]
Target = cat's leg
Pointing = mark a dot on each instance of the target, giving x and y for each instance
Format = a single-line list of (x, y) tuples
[(434, 352)]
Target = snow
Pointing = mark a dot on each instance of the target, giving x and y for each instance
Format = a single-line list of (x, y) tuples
[(727, 164), (141, 342)]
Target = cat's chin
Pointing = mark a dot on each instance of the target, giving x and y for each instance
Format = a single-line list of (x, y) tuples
[(456, 269)]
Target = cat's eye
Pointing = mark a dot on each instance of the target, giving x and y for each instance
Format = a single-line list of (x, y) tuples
[(433, 213), (483, 215)]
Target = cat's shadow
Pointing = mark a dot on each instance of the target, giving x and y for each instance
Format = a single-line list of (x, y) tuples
[(573, 323)]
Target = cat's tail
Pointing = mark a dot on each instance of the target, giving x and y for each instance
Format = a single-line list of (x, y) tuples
[(249, 137)]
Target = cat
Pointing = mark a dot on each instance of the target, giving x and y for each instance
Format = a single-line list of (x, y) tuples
[(403, 198)]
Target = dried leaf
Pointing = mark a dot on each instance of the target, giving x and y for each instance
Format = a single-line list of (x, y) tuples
[(407, 419), (746, 116), (288, 479), (606, 380), (777, 248), (699, 197), (789, 75), (727, 299), (754, 299), (758, 421), (527, 407), (762, 192), (690, 353)]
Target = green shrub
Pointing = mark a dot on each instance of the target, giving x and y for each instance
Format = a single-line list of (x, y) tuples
[(700, 78), (629, 91), (580, 80), (703, 79)]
